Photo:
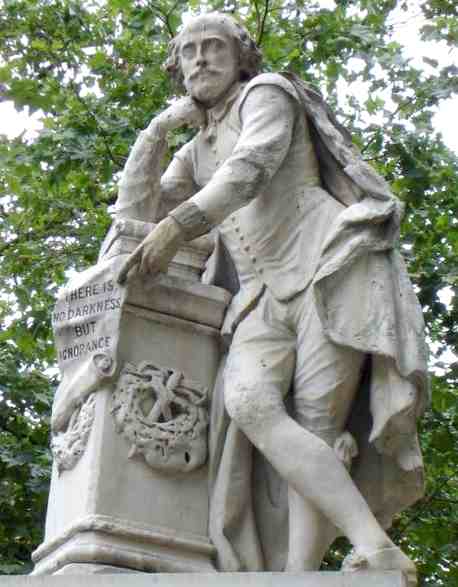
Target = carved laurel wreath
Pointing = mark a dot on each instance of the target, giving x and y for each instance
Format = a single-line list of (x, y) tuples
[(163, 415)]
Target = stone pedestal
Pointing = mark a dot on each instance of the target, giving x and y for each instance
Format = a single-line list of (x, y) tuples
[(113, 507), (360, 579)]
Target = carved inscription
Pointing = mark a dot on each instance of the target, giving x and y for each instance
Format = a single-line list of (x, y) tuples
[(163, 415), (68, 446), (76, 319)]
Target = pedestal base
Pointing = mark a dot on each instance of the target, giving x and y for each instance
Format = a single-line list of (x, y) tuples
[(114, 506), (324, 579)]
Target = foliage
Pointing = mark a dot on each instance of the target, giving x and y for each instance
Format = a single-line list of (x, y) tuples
[(93, 69)]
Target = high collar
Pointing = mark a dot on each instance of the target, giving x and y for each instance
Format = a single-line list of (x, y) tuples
[(219, 110)]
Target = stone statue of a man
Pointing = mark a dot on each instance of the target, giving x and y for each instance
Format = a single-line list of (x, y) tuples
[(306, 233)]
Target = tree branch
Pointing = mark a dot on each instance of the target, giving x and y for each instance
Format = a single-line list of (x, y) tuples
[(370, 141), (263, 24), (165, 16), (258, 15), (103, 132)]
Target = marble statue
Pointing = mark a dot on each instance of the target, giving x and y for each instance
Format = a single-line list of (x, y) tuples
[(326, 366)]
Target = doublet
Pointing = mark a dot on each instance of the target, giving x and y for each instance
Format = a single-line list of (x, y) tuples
[(255, 170)]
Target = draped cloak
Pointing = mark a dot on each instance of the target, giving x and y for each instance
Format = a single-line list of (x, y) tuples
[(365, 301)]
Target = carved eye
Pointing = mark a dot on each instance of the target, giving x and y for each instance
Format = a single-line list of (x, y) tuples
[(188, 51), (214, 44)]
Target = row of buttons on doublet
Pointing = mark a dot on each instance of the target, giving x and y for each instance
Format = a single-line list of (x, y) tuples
[(214, 151), (245, 247)]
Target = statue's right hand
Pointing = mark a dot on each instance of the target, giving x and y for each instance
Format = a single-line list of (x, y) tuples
[(155, 252), (184, 111), (130, 266)]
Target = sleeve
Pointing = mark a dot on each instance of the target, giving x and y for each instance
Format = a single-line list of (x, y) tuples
[(177, 182), (138, 189), (267, 115)]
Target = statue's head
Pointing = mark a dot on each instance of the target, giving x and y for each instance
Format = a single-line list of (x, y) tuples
[(211, 53)]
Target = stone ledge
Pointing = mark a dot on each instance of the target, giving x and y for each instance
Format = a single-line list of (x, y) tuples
[(192, 301), (324, 579), (99, 540)]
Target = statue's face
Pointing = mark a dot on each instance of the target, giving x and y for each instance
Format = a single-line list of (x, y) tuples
[(209, 61)]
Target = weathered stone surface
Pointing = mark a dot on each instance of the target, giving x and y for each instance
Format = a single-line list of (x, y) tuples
[(323, 318), (129, 508), (363, 579)]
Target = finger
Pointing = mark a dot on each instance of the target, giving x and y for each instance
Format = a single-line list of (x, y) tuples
[(148, 265), (133, 272), (129, 263), (125, 272)]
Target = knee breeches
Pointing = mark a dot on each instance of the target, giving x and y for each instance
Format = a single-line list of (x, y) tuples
[(280, 346)]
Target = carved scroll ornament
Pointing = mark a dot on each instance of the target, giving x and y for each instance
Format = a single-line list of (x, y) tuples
[(163, 415), (67, 447)]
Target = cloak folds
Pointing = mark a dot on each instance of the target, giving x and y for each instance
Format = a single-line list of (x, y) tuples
[(365, 301)]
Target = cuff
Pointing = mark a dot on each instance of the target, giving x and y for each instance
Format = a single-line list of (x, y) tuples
[(191, 219)]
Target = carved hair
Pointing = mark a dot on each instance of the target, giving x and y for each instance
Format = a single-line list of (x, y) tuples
[(250, 56)]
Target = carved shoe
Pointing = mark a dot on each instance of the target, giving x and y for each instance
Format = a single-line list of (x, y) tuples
[(384, 559)]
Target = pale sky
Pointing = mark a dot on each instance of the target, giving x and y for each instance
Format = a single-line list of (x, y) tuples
[(407, 34), (13, 123)]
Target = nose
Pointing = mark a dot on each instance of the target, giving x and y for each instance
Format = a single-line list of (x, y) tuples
[(200, 57)]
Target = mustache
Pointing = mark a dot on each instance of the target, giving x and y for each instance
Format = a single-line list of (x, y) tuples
[(201, 70)]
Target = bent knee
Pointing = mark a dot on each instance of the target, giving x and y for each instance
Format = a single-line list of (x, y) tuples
[(252, 404)]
